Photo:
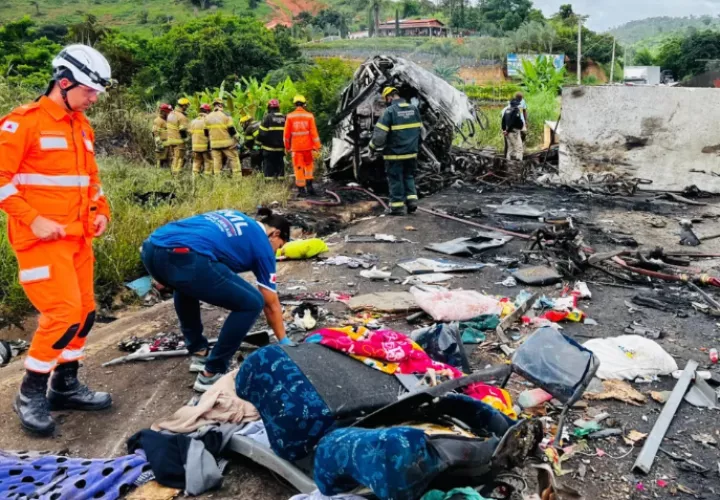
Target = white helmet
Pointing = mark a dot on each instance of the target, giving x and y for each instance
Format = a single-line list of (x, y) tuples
[(87, 67)]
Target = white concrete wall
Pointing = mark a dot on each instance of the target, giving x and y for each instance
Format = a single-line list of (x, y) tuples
[(658, 133)]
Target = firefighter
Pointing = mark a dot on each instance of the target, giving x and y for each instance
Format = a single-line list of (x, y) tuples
[(302, 140), (51, 192), (177, 126), (200, 136), (251, 146), (271, 141), (222, 134), (159, 132), (398, 135)]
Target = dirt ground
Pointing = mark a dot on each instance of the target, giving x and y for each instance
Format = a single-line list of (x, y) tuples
[(144, 392)]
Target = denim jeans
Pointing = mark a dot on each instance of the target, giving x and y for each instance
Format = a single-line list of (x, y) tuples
[(195, 278)]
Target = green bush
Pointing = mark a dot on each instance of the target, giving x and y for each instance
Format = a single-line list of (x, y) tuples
[(117, 252)]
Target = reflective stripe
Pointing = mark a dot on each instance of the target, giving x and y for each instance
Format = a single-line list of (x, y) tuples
[(275, 129), (266, 148), (407, 126), (53, 143), (218, 126), (171, 126), (68, 355), (34, 274), (89, 145), (35, 365), (400, 157), (397, 204), (306, 132), (412, 197), (7, 191), (382, 127), (101, 193), (404, 105), (51, 180)]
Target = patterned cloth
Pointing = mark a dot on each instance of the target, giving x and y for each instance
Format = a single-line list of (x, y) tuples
[(385, 350), (396, 463), (49, 477), (294, 414), (392, 352)]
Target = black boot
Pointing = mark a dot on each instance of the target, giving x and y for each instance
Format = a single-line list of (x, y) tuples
[(31, 405), (411, 207), (67, 393), (310, 188), (302, 192)]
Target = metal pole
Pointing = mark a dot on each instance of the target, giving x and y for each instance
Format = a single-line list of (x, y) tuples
[(612, 64), (579, 52)]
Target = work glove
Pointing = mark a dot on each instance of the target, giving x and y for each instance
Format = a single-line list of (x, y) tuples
[(316, 154), (287, 341)]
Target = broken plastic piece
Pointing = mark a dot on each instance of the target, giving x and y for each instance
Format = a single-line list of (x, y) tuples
[(537, 275), (375, 274)]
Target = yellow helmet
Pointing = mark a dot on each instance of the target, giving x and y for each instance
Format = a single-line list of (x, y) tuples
[(387, 91), (245, 119), (299, 99), (183, 101), (218, 101)]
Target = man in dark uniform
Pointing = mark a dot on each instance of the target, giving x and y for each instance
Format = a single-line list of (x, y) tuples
[(250, 147), (271, 141), (397, 135)]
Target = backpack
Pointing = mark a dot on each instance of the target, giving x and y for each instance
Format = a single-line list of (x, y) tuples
[(513, 119)]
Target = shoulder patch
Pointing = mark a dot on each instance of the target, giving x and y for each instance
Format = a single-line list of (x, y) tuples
[(9, 126)]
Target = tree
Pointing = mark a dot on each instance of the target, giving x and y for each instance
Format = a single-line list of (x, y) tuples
[(88, 31), (203, 52), (410, 8), (285, 43), (508, 14), (644, 57), (566, 12)]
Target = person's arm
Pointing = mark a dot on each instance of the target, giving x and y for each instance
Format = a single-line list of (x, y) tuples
[(14, 138), (287, 133), (273, 312), (315, 135), (382, 129), (97, 194)]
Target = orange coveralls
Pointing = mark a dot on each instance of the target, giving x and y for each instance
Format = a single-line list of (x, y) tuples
[(301, 139), (47, 168)]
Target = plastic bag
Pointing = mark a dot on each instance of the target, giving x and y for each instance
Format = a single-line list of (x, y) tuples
[(302, 249), (454, 305), (629, 357), (440, 342)]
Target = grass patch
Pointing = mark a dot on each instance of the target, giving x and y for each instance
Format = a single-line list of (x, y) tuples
[(117, 253), (541, 107)]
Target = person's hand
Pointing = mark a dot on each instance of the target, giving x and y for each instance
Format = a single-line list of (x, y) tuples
[(46, 229), (100, 225), (286, 341)]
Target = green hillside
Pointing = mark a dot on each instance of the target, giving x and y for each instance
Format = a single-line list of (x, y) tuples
[(652, 31), (130, 16)]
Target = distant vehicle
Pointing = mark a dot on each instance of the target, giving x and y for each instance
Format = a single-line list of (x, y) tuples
[(666, 77), (643, 75)]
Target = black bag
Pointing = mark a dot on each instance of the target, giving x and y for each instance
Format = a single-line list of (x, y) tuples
[(513, 119)]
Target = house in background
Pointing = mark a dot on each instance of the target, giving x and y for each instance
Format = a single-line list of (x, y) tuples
[(414, 27)]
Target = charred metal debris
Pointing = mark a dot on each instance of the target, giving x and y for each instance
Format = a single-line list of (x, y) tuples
[(447, 113)]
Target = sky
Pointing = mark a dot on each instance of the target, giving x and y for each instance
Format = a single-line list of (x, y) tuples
[(605, 14)]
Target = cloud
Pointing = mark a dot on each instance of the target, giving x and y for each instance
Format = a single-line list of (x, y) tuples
[(605, 14)]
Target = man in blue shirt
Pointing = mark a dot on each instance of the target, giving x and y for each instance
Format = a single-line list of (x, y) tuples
[(200, 258)]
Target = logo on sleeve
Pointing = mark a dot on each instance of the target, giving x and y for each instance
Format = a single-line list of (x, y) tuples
[(273, 279), (10, 126)]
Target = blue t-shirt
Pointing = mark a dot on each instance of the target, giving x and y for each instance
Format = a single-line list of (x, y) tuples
[(227, 236)]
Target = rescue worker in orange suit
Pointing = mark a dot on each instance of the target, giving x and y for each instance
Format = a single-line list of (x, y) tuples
[(177, 127), (223, 143), (271, 139), (50, 190), (303, 142), (200, 136), (159, 132)]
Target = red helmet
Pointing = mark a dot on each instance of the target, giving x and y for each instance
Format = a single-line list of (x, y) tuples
[(205, 107), (274, 103), (165, 107)]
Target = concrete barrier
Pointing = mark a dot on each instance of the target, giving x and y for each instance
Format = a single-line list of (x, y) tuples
[(670, 135)]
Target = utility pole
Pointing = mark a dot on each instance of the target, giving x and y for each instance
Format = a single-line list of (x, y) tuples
[(579, 51), (612, 64)]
